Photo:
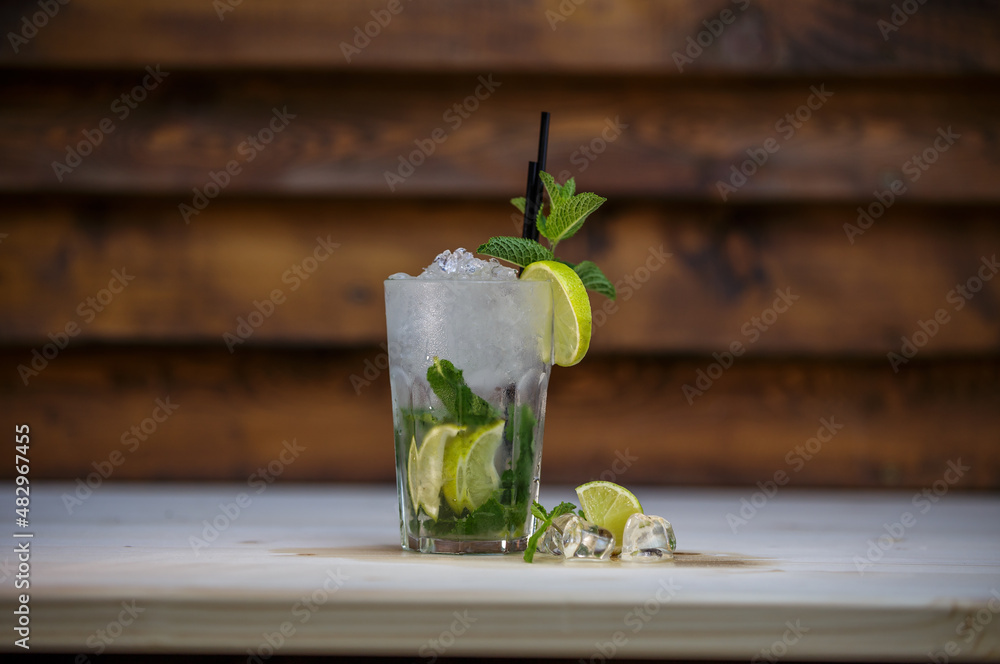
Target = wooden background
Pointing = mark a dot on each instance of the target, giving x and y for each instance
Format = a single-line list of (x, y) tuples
[(700, 268)]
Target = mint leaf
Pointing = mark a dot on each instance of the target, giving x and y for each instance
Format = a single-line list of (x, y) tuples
[(547, 518), (488, 518), (567, 215), (569, 188), (516, 480), (557, 193), (562, 508), (517, 250), (594, 279), (524, 465), (518, 203), (540, 223), (465, 407), (486, 521)]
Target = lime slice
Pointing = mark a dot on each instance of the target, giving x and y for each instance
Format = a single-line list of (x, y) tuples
[(469, 474), (609, 505), (425, 471), (412, 472), (571, 308)]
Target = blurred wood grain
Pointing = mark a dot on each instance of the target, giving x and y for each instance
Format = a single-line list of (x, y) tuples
[(167, 167), (620, 416), (757, 38), (394, 135), (692, 278)]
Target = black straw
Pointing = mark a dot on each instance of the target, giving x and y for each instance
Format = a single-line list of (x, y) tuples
[(533, 193), (543, 141), (530, 230)]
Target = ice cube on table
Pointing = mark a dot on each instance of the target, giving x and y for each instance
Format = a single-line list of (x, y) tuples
[(551, 542), (648, 538), (583, 540)]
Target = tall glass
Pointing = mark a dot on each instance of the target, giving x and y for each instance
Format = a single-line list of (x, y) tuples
[(468, 459)]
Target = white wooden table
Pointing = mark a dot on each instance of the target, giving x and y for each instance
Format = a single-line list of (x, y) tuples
[(318, 569)]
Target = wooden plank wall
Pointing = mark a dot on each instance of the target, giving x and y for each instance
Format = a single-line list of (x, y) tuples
[(115, 297)]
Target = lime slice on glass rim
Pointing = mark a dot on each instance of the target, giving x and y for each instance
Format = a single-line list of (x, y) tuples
[(609, 505), (571, 309), (469, 473)]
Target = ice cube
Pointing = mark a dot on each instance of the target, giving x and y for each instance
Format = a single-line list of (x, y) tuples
[(501, 272), (648, 538), (583, 540), (551, 542)]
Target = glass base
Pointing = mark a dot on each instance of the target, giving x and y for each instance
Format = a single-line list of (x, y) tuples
[(431, 545)]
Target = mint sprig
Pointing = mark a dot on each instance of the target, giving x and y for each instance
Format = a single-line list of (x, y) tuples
[(546, 519), (568, 211), (465, 407)]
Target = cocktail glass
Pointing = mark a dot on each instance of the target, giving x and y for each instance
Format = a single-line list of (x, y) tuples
[(468, 461)]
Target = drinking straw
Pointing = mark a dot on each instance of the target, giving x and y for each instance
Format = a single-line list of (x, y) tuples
[(533, 194), (530, 230), (543, 142)]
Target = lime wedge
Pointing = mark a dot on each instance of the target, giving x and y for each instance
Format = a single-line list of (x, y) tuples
[(469, 474), (571, 308), (609, 505), (424, 474)]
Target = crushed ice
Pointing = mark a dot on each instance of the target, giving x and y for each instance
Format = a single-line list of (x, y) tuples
[(463, 265)]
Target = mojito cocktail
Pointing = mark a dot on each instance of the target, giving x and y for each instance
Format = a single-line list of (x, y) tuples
[(470, 351)]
